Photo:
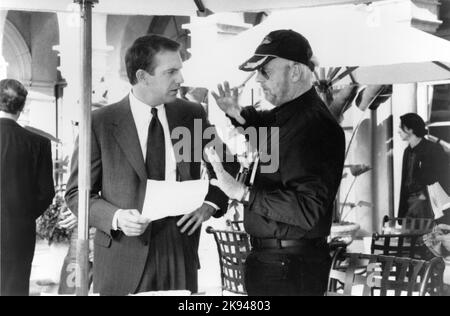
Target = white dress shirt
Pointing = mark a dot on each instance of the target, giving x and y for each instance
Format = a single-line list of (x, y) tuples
[(142, 118)]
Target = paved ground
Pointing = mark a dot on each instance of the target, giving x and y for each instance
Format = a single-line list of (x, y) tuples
[(48, 261)]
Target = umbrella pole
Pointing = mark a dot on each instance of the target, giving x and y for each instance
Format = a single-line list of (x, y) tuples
[(82, 276)]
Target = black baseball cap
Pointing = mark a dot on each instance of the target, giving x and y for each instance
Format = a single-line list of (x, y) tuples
[(286, 44)]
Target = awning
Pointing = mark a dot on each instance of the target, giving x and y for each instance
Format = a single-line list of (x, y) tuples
[(341, 37), (170, 7)]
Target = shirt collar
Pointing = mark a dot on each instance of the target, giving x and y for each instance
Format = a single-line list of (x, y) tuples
[(419, 146), (140, 106), (8, 121), (6, 116), (286, 111)]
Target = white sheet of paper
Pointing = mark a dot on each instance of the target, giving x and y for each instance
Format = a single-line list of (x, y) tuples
[(440, 201), (172, 198)]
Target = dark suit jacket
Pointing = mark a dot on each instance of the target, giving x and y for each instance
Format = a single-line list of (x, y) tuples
[(119, 179), (26, 190), (433, 167)]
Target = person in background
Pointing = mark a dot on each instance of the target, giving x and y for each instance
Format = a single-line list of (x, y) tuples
[(67, 283), (438, 241), (443, 231), (424, 163), (26, 189)]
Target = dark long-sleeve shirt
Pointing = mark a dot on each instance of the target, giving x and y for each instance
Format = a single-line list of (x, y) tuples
[(296, 201), (423, 165)]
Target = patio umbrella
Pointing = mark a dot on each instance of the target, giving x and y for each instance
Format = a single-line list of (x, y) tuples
[(343, 41), (171, 7)]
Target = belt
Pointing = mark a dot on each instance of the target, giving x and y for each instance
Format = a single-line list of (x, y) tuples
[(273, 243)]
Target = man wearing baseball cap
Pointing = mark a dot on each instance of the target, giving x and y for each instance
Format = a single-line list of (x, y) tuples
[(288, 213)]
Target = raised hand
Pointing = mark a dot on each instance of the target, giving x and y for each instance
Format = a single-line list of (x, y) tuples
[(227, 100)]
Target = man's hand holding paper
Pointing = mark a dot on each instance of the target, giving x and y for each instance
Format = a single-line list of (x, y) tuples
[(131, 222), (172, 198)]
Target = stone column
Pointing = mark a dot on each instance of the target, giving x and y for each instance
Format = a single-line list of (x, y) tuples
[(372, 146), (404, 100), (382, 164), (100, 52), (361, 153), (3, 63), (69, 53), (69, 66)]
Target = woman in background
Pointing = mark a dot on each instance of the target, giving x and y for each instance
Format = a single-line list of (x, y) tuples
[(424, 163)]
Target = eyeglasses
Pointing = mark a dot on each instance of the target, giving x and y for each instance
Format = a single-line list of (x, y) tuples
[(263, 72), (267, 73)]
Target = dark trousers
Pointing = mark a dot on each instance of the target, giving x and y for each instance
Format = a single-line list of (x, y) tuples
[(419, 206), (16, 255), (172, 262), (286, 273), (15, 277)]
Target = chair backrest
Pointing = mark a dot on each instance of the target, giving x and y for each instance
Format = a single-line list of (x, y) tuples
[(403, 245), (237, 226), (233, 248), (378, 275), (419, 226)]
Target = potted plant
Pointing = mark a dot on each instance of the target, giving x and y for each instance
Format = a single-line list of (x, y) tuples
[(339, 101), (47, 225), (341, 229), (54, 240)]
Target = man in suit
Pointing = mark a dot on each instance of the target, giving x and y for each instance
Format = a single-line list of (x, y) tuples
[(131, 143), (26, 189)]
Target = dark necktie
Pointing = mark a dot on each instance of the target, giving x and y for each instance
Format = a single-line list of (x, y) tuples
[(156, 151)]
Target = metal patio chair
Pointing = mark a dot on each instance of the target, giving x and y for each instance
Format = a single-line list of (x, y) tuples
[(354, 274), (233, 248)]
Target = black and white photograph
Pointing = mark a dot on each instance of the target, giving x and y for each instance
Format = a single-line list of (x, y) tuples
[(224, 153)]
